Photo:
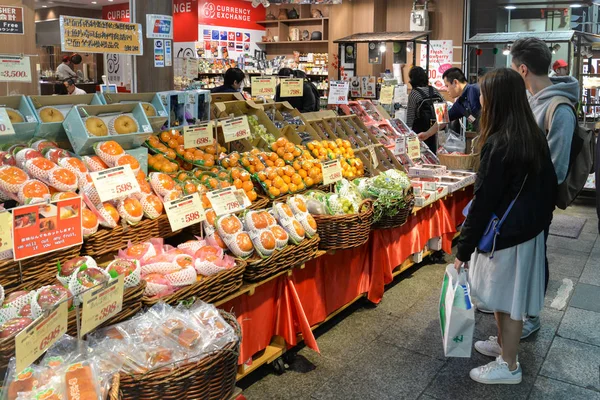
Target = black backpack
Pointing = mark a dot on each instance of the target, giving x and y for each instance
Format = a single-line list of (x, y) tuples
[(425, 111)]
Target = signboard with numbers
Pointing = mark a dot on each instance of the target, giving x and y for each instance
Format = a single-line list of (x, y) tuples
[(228, 200), (185, 211), (291, 87), (88, 35), (235, 129), (6, 127), (338, 92), (114, 183), (413, 147), (100, 304), (400, 147), (5, 231), (11, 20), (386, 96), (263, 85), (15, 69), (332, 171), (199, 135)]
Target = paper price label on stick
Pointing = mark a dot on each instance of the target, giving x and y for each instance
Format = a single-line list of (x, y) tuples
[(263, 86), (115, 182), (292, 87), (34, 340), (185, 211), (338, 92), (197, 136), (6, 220), (236, 129), (332, 171), (228, 200), (386, 96), (400, 147), (6, 127), (374, 159), (100, 304), (414, 147)]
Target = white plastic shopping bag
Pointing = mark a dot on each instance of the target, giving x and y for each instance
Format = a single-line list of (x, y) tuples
[(457, 317)]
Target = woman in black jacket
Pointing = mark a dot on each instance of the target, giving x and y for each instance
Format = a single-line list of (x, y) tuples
[(515, 163)]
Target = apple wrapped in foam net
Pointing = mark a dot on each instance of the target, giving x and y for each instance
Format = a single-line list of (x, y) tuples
[(76, 287), (25, 154), (192, 246), (65, 279), (157, 285), (11, 309), (183, 277), (36, 308), (140, 251)]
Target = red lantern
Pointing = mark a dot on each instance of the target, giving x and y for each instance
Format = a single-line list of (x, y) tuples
[(478, 52)]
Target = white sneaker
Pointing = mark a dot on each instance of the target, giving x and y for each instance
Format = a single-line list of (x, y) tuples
[(497, 373), (489, 347), (530, 325), (484, 310)]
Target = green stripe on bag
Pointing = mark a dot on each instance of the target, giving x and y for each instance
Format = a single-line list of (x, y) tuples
[(443, 303)]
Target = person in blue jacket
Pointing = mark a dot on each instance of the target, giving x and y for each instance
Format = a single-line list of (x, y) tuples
[(233, 81), (467, 97)]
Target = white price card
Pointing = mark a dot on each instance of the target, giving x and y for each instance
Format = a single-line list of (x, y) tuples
[(15, 69), (198, 135), (386, 96), (185, 211), (6, 127), (235, 129), (332, 171), (34, 340), (114, 183), (291, 87), (374, 159), (228, 200), (413, 147), (100, 304), (263, 85), (338, 92), (400, 147)]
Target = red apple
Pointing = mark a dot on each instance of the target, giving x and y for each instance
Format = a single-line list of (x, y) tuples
[(7, 159), (55, 154), (121, 267), (25, 311), (13, 326), (68, 268), (14, 296), (49, 296), (91, 277)]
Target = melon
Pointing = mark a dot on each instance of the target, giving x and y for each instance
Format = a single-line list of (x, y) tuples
[(11, 178), (130, 210)]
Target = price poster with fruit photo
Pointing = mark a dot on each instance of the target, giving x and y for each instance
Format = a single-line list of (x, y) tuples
[(440, 60), (43, 228)]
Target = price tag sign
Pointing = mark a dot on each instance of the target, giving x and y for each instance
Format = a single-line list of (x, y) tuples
[(414, 147), (338, 92), (34, 340), (197, 136), (292, 87), (185, 211), (386, 96), (227, 201), (374, 158), (236, 129), (400, 147), (6, 220), (115, 182), (101, 304), (15, 69), (332, 171), (263, 86), (6, 127)]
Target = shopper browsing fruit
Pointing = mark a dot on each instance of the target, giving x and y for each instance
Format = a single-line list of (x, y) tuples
[(72, 89), (233, 81), (516, 182)]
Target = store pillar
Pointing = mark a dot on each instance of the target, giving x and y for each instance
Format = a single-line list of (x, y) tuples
[(149, 78)]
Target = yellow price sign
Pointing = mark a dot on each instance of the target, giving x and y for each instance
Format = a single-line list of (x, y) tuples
[(291, 87), (88, 35), (101, 304), (413, 147), (332, 171), (6, 221), (263, 86), (34, 340), (386, 96)]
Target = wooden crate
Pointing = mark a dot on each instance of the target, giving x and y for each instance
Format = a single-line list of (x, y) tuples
[(220, 98), (295, 133)]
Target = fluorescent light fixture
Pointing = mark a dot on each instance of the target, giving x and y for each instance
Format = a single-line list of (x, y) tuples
[(577, 5), (44, 6), (94, 2), (510, 7)]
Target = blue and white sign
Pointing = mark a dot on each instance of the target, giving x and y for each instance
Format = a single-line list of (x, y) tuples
[(159, 26)]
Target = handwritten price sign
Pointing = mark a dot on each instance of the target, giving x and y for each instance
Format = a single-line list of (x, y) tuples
[(114, 183), (262, 86), (228, 200), (414, 147), (386, 96), (6, 127), (101, 304), (292, 87), (40, 335), (15, 69), (332, 171), (185, 211), (236, 129), (338, 92), (198, 136), (400, 147)]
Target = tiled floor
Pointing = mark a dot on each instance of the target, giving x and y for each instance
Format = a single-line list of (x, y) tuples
[(394, 350)]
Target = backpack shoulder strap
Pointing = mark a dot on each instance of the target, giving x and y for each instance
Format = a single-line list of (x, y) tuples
[(554, 103)]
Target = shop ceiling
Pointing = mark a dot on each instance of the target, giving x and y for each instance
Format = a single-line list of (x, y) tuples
[(93, 4), (538, 3)]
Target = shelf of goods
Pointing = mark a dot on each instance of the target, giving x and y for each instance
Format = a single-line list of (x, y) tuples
[(279, 259)]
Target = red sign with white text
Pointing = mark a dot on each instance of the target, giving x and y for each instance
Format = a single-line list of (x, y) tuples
[(116, 12), (231, 13), (185, 20), (43, 228)]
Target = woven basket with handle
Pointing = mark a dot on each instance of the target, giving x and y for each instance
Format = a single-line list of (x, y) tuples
[(345, 231)]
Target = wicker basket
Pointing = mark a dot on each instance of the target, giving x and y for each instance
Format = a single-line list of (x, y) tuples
[(400, 218), (283, 199), (211, 378), (281, 260), (113, 393), (111, 240), (457, 161), (209, 290), (345, 231), (34, 272)]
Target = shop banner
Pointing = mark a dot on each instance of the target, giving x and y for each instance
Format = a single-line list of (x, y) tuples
[(116, 12), (43, 228), (292, 87), (185, 20), (11, 20), (15, 69), (440, 60), (355, 86), (159, 26), (338, 92), (6, 127), (89, 35), (232, 13), (159, 53), (263, 85), (368, 87)]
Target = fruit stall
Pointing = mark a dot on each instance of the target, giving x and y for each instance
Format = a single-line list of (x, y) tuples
[(165, 245)]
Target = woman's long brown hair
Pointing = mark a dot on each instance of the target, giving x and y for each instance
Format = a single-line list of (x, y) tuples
[(506, 112)]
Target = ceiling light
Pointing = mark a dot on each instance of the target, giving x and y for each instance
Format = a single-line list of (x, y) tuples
[(94, 2), (44, 6), (510, 7), (382, 47), (575, 6), (506, 50)]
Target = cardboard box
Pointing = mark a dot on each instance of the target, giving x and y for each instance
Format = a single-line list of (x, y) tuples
[(23, 130), (156, 121), (417, 257), (425, 199), (453, 183), (82, 143), (435, 243), (427, 170), (468, 176), (426, 183), (441, 192)]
